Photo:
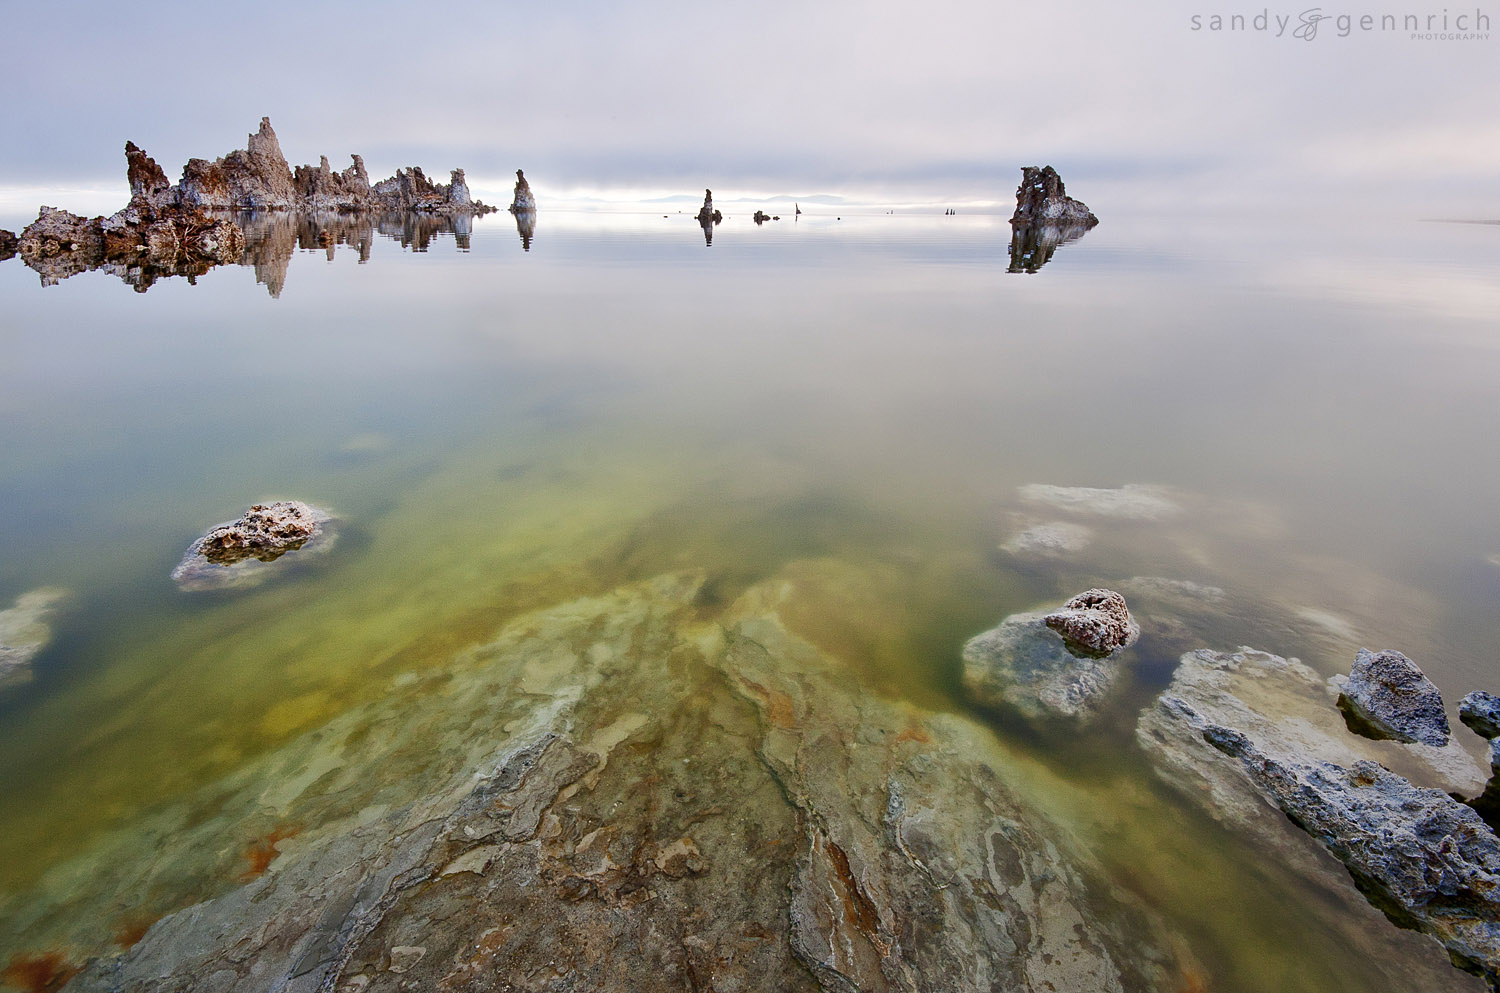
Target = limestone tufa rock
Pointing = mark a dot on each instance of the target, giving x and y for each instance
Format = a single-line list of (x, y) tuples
[(237, 553), (1387, 691), (266, 532), (1059, 663), (707, 214), (1041, 199), (1481, 712), (9, 244), (522, 198), (1097, 620)]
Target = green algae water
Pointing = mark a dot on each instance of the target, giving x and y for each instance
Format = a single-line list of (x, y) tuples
[(502, 428)]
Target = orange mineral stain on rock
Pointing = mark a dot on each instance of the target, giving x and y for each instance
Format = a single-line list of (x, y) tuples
[(38, 973), (914, 732), (259, 854), (133, 928), (779, 709)]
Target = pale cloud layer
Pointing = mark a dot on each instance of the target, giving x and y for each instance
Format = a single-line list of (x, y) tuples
[(945, 100)]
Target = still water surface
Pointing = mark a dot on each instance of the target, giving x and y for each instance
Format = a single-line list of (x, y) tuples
[(501, 429)]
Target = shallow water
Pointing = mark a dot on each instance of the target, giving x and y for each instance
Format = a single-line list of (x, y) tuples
[(501, 430)]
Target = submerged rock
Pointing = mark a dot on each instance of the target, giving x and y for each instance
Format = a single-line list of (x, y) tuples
[(1133, 501), (521, 199), (235, 554), (1096, 620), (620, 793), (1390, 697), (1052, 538), (1033, 662), (25, 631), (1480, 712), (1417, 853), (1042, 199)]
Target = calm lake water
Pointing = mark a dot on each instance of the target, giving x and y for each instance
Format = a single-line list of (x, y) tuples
[(500, 429)]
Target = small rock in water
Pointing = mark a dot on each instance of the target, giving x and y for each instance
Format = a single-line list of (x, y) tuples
[(1097, 620), (1480, 711), (1387, 691), (1052, 538), (9, 245), (236, 553), (1033, 663)]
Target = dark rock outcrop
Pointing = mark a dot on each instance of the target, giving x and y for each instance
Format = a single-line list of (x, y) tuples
[(1235, 731), (9, 244), (256, 177), (707, 214), (522, 200), (1052, 663), (1096, 620), (1480, 712), (235, 554), (1387, 696), (1042, 199)]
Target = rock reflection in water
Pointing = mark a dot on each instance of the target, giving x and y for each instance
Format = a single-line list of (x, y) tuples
[(272, 237), (526, 227), (1032, 246)]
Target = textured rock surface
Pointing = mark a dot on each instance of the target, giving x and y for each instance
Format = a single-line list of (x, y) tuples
[(522, 200), (1428, 860), (165, 231), (1025, 664), (9, 244), (25, 631), (1480, 712), (630, 793), (1096, 620), (1134, 501), (1042, 199), (1278, 717), (235, 554), (1386, 691)]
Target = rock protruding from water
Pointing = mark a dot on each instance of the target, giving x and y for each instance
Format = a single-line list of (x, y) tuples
[(521, 198), (1096, 620), (707, 214), (9, 244), (25, 630), (1421, 857), (1480, 712), (1042, 199), (255, 177), (1390, 697), (235, 554), (1429, 860), (1060, 663)]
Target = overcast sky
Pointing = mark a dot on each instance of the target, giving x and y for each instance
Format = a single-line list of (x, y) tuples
[(941, 101)]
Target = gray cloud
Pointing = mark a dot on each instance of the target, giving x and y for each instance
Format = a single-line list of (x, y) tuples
[(946, 99)]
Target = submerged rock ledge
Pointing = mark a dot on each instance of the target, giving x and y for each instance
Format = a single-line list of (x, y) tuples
[(634, 792)]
